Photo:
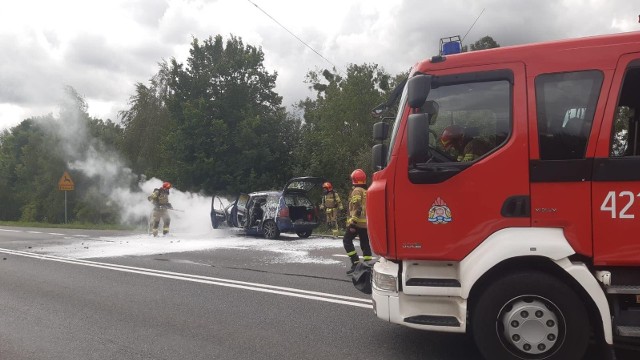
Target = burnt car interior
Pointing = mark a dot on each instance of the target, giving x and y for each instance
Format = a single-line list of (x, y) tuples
[(300, 208)]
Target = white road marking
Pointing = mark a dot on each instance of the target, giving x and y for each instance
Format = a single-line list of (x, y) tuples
[(34, 232), (80, 235), (9, 230), (344, 255), (311, 295), (55, 234)]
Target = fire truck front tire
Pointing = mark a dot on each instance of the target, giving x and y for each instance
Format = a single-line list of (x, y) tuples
[(530, 315)]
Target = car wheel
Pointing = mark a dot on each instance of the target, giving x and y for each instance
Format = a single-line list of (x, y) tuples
[(530, 315), (304, 234), (270, 230)]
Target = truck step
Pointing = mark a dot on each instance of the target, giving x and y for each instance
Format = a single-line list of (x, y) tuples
[(629, 331), (623, 289), (433, 320), (431, 282)]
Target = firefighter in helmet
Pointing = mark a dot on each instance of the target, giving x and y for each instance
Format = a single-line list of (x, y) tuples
[(357, 220), (161, 205), (460, 141), (331, 204)]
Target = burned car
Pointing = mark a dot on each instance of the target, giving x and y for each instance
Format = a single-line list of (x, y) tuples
[(270, 213)]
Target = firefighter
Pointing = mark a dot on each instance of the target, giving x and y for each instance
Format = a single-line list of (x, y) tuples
[(331, 204), (456, 139), (161, 205), (357, 220)]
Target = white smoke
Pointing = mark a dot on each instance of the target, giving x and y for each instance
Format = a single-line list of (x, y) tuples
[(110, 178)]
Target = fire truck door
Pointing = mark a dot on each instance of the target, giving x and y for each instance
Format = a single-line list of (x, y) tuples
[(476, 181), (616, 174), (565, 108)]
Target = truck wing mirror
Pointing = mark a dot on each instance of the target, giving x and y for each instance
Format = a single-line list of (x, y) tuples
[(418, 90), (380, 131), (418, 138), (379, 156)]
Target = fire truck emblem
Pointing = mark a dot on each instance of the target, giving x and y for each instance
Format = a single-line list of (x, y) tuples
[(439, 212)]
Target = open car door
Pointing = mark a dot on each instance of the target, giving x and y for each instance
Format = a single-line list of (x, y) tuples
[(219, 207), (239, 210)]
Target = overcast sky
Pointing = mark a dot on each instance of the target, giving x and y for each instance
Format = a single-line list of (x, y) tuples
[(103, 48)]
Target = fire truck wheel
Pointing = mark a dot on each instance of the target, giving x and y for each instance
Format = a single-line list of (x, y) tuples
[(530, 315)]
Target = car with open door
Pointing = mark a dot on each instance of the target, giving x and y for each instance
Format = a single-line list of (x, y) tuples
[(270, 213)]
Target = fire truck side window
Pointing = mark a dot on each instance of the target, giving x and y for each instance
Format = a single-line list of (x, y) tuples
[(473, 119), (625, 133), (565, 103)]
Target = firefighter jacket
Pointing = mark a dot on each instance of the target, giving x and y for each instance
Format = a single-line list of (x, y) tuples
[(358, 207), (331, 200), (160, 199), (474, 149)]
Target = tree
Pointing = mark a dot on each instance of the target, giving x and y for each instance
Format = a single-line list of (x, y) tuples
[(336, 136), (230, 128), (147, 125), (486, 42)]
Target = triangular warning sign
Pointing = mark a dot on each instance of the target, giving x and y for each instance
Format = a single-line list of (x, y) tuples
[(65, 183)]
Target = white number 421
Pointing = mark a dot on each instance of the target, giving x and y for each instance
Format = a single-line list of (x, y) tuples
[(609, 204)]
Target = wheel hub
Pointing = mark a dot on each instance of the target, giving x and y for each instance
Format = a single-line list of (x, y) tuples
[(530, 326)]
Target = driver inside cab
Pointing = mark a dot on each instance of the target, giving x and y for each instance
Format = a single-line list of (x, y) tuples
[(462, 144)]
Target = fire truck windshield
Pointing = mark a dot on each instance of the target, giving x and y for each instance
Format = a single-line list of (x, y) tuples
[(397, 121)]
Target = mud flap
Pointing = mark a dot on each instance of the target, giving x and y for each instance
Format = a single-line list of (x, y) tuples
[(361, 277)]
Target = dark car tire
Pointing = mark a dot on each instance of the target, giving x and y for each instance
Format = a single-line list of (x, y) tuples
[(532, 306), (270, 230), (304, 234)]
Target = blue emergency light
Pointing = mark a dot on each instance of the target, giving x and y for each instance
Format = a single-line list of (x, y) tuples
[(450, 45)]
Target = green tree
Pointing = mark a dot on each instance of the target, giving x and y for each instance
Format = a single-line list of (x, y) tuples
[(486, 42), (231, 131), (147, 125), (336, 136)]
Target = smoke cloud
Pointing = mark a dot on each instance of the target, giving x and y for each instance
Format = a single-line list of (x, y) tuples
[(110, 178)]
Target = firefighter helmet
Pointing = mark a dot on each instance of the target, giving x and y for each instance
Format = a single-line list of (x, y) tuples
[(358, 177), (166, 185), (327, 186), (451, 135)]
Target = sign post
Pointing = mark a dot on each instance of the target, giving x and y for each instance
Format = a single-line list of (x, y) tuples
[(65, 184)]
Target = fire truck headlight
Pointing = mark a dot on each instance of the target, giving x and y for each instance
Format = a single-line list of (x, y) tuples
[(384, 282)]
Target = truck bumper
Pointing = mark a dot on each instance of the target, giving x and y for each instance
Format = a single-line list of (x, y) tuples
[(425, 312)]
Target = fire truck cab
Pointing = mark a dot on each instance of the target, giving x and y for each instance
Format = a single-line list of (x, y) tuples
[(506, 201)]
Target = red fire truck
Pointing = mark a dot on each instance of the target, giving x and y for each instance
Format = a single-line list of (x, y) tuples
[(521, 226)]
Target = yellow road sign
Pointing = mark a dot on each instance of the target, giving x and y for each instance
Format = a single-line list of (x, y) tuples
[(65, 183)]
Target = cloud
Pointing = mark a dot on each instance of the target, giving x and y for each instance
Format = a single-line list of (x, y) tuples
[(103, 49)]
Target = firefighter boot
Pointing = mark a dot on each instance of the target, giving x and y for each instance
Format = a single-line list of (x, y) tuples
[(353, 267)]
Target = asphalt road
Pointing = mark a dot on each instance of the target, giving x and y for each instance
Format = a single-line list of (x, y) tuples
[(230, 297)]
